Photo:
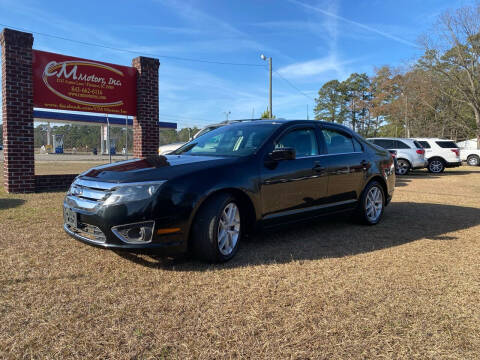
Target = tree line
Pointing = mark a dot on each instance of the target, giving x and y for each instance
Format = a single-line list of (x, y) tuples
[(437, 96)]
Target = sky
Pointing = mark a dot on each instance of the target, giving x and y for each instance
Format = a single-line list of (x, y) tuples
[(310, 42)]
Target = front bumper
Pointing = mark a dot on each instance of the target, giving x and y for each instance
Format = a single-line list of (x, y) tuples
[(165, 248), (94, 227)]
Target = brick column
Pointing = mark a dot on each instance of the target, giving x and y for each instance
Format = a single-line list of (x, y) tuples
[(145, 124), (17, 111)]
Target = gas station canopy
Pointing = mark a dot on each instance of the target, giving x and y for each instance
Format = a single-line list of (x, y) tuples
[(80, 119)]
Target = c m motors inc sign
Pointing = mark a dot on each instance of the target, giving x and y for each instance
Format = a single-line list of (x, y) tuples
[(75, 84)]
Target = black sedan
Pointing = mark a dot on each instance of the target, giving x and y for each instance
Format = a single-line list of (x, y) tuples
[(208, 194)]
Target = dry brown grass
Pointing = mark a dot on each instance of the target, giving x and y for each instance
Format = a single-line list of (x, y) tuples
[(407, 288), (63, 167)]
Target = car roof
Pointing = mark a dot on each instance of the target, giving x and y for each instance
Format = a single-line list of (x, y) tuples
[(285, 121), (391, 138), (433, 139)]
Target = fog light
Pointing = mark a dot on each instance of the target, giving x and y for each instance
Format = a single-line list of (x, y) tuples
[(137, 233)]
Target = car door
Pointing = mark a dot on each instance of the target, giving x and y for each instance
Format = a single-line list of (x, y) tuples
[(346, 164), (294, 186)]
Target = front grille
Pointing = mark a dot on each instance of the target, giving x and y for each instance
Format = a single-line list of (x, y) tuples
[(87, 231), (91, 190), (87, 195)]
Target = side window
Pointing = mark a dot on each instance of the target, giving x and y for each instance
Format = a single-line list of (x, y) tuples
[(337, 143), (384, 143), (304, 141), (401, 145), (447, 144), (425, 144)]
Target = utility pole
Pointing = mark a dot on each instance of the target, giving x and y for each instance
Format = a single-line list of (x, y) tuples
[(253, 113), (108, 140), (263, 57), (126, 138), (270, 92), (407, 128)]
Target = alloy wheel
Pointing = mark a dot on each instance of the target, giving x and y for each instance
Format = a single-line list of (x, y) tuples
[(473, 161), (436, 166), (402, 167), (228, 229), (374, 204)]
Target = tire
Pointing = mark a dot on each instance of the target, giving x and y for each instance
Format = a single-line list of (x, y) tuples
[(215, 236), (403, 167), (473, 160), (436, 166), (372, 204)]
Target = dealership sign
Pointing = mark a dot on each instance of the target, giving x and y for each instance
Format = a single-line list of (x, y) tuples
[(74, 84)]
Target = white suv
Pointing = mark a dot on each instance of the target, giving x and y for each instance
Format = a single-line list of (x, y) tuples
[(440, 154), (410, 154)]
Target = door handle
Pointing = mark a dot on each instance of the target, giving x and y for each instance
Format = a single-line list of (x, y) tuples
[(365, 164), (318, 168)]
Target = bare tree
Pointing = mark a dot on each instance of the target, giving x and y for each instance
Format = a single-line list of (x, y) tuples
[(452, 51)]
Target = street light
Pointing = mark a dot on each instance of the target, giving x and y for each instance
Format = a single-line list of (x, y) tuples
[(227, 113), (264, 58)]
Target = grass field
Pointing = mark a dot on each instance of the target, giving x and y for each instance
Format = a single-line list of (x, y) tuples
[(63, 167), (407, 288)]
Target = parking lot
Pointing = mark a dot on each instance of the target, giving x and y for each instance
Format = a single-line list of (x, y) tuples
[(407, 288)]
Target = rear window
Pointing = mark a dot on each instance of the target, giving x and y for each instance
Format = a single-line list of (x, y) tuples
[(418, 145), (425, 144), (446, 144)]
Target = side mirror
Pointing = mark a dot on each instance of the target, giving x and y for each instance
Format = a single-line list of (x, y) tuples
[(283, 154)]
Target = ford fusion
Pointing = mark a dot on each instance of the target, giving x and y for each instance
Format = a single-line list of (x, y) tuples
[(208, 194)]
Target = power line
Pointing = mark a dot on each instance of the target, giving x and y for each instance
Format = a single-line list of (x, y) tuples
[(293, 86), (132, 51)]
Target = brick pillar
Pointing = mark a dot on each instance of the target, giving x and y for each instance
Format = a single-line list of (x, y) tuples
[(17, 111), (145, 124)]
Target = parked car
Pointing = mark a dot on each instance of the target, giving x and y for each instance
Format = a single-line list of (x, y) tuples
[(168, 148), (410, 154), (394, 156), (471, 156), (440, 154), (209, 193)]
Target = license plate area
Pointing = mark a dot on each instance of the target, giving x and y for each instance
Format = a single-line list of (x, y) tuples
[(70, 217)]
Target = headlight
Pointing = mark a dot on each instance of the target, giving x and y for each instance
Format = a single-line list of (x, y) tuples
[(132, 192)]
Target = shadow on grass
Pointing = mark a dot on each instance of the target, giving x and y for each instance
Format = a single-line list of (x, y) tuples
[(10, 203), (404, 180), (330, 237)]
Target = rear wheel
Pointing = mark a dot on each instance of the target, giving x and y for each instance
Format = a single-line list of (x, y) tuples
[(403, 167), (436, 166), (473, 160), (372, 204), (217, 229)]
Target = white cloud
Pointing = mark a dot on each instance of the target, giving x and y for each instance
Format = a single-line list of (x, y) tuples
[(316, 67)]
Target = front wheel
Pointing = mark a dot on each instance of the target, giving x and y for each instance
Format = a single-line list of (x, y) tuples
[(217, 229), (372, 204), (473, 160), (436, 166)]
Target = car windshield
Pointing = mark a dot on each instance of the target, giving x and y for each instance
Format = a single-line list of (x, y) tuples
[(229, 140)]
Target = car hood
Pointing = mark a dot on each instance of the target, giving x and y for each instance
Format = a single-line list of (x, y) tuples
[(158, 167)]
